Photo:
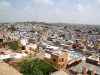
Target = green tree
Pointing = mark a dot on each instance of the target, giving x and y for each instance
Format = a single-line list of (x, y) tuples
[(12, 28), (62, 35), (77, 30), (34, 67), (96, 30), (32, 31), (33, 23), (13, 45), (90, 31), (65, 27)]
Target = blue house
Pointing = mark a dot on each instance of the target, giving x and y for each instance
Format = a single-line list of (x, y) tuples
[(67, 37)]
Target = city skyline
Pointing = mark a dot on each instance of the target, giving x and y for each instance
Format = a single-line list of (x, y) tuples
[(67, 11)]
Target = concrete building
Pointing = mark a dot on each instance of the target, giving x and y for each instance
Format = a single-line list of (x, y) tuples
[(62, 59)]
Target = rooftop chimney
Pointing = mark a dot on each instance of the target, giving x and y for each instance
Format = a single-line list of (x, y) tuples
[(92, 73), (84, 70)]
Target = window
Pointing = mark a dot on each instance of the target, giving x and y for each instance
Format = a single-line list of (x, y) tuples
[(62, 59), (54, 60)]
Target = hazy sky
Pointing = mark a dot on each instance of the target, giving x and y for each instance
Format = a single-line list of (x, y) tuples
[(68, 11)]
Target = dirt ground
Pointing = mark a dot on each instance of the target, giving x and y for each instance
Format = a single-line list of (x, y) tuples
[(39, 55), (5, 69)]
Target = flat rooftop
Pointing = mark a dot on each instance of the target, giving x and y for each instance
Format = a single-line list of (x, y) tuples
[(96, 58), (90, 67), (47, 55), (73, 54), (59, 52), (52, 47), (60, 73)]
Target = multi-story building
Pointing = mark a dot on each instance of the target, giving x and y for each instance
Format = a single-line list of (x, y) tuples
[(62, 59)]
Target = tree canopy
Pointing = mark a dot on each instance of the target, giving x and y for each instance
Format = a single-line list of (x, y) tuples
[(12, 28), (90, 31), (13, 45), (32, 31), (78, 30), (62, 35), (65, 27), (34, 67)]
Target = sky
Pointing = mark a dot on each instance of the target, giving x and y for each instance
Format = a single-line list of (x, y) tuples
[(66, 11)]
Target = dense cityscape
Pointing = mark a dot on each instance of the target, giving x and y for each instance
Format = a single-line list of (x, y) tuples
[(72, 49), (49, 37)]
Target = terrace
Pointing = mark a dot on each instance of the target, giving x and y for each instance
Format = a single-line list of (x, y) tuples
[(89, 67), (60, 52), (50, 49)]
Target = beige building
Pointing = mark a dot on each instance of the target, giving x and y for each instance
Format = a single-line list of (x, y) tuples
[(62, 59)]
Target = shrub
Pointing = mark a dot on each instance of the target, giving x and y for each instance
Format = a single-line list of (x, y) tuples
[(13, 45), (34, 67), (62, 35)]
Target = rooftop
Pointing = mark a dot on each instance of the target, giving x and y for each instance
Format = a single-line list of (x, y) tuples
[(60, 52), (52, 47), (60, 73), (89, 66), (47, 55)]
